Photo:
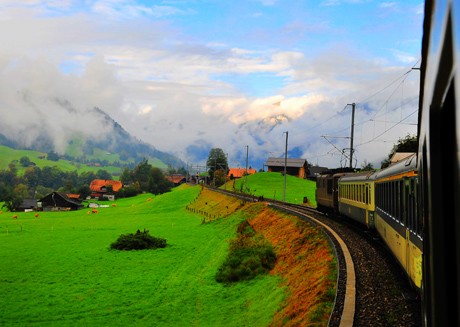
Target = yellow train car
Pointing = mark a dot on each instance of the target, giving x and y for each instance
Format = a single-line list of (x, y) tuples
[(356, 197), (397, 219), (327, 193)]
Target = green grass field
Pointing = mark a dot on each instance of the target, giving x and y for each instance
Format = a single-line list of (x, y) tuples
[(7, 155), (271, 185), (57, 269)]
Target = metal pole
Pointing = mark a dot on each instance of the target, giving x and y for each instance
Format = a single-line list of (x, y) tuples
[(352, 133), (285, 167), (246, 177)]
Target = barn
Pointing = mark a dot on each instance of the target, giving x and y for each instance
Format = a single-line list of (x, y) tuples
[(56, 201), (239, 172), (294, 166)]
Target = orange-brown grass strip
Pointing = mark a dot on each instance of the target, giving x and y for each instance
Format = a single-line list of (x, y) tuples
[(305, 262), (215, 203)]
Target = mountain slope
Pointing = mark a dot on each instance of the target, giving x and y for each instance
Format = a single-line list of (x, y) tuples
[(107, 142)]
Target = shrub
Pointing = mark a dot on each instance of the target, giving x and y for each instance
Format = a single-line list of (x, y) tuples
[(250, 254), (138, 241)]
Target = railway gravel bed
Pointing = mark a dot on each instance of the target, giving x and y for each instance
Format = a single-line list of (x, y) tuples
[(384, 296)]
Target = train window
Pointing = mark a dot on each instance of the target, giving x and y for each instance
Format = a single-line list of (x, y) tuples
[(366, 196), (329, 186)]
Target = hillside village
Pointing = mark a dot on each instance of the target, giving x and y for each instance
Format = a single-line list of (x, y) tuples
[(108, 189)]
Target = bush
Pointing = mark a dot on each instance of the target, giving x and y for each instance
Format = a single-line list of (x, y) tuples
[(249, 255), (138, 241)]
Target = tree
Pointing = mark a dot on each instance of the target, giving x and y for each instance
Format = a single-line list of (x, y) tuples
[(407, 144), (32, 176), (126, 176), (53, 156), (216, 160), (14, 197), (103, 174), (367, 166), (157, 182), (141, 174), (24, 161)]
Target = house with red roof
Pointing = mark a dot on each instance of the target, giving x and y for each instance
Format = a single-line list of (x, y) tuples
[(101, 187), (239, 172)]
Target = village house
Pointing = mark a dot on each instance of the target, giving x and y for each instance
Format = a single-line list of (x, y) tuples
[(100, 188), (239, 172), (56, 201), (177, 179), (294, 166)]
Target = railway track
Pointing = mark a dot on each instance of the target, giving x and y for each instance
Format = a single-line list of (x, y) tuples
[(372, 289)]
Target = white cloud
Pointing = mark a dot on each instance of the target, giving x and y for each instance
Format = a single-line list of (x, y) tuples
[(173, 90)]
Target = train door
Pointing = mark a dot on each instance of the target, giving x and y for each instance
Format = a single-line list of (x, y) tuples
[(409, 207), (406, 194)]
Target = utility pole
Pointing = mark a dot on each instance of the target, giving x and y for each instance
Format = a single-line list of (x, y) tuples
[(352, 132), (285, 166), (246, 176)]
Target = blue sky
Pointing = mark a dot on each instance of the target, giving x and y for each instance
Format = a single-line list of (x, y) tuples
[(186, 76)]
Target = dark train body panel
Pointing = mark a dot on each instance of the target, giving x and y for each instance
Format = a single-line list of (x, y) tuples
[(439, 162), (417, 203)]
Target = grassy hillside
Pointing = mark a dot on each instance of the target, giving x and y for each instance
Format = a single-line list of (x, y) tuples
[(304, 258), (271, 185), (57, 269), (7, 155)]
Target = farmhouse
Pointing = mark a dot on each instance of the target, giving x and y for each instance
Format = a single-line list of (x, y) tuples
[(176, 179), (294, 166), (27, 205), (239, 172), (56, 201), (101, 187)]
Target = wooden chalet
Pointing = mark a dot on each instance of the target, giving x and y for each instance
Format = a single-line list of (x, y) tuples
[(294, 166), (100, 187), (56, 201), (239, 172), (177, 179), (27, 205)]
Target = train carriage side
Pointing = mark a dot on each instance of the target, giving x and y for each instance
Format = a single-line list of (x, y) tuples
[(327, 192), (356, 197), (396, 215)]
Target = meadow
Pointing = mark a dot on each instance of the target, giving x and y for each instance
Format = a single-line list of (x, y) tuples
[(7, 155), (271, 185), (57, 269)]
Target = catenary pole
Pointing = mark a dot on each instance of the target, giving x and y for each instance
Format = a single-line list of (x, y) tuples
[(352, 132), (285, 167)]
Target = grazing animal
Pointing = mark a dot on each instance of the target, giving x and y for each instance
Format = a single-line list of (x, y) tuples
[(36, 215), (94, 211), (15, 217)]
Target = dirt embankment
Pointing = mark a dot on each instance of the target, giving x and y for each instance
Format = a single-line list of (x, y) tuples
[(304, 258)]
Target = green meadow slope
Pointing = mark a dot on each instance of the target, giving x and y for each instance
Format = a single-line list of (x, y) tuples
[(7, 155), (271, 185), (57, 269)]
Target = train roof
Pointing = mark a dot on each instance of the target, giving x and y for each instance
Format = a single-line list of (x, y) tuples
[(398, 168), (358, 177)]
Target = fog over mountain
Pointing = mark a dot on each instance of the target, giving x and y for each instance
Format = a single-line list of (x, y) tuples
[(187, 76)]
